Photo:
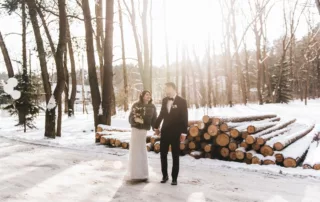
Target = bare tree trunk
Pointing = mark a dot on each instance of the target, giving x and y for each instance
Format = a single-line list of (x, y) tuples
[(50, 122), (94, 85), (99, 36), (59, 60), (66, 74), (166, 40), (107, 88), (73, 74), (147, 79), (151, 43), (202, 89), (6, 57), (124, 65), (22, 112), (209, 69)]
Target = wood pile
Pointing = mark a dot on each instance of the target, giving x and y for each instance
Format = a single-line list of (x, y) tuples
[(259, 139)]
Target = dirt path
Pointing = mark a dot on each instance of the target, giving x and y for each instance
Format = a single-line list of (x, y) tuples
[(36, 173)]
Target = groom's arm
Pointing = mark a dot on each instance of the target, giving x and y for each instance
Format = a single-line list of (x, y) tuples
[(161, 115)]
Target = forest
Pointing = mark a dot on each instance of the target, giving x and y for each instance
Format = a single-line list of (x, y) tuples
[(239, 63)]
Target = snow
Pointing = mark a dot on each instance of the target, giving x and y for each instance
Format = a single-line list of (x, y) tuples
[(52, 103), (253, 152), (298, 148), (312, 157), (267, 131), (294, 130), (271, 158), (242, 149), (112, 128)]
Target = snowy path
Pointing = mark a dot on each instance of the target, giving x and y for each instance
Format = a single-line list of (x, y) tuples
[(36, 173)]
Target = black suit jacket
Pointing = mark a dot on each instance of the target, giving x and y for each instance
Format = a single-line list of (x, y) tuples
[(175, 122)]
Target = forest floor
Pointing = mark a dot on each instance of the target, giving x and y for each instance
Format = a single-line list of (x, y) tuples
[(39, 173), (74, 168)]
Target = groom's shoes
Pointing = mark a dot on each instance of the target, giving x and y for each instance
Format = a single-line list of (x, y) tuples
[(164, 179), (174, 182)]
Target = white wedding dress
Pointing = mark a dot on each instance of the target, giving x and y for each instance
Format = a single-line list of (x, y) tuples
[(138, 159)]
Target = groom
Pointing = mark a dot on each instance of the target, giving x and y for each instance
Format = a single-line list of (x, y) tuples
[(174, 114)]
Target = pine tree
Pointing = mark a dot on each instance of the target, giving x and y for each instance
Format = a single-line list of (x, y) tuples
[(27, 104), (281, 81)]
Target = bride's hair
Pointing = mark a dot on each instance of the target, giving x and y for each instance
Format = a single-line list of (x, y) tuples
[(142, 94)]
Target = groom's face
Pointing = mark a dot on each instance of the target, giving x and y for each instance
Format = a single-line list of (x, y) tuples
[(169, 91)]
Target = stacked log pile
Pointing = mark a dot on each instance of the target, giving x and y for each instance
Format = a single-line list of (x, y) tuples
[(260, 139)]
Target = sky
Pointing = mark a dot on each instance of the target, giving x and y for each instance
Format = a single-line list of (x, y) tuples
[(189, 22)]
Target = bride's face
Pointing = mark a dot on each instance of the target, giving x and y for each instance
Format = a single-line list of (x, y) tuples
[(147, 97)]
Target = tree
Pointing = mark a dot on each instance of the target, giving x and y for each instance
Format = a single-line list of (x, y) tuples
[(6, 57), (107, 88), (124, 64), (281, 83)]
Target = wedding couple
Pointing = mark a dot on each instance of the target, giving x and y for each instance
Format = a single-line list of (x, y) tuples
[(143, 116)]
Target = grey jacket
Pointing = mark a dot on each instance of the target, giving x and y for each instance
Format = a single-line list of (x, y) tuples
[(149, 116)]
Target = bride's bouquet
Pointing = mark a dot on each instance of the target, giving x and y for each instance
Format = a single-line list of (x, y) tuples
[(138, 114)]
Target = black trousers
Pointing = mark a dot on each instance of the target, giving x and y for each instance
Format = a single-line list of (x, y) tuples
[(173, 140)]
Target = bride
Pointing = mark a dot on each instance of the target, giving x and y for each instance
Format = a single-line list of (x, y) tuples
[(142, 117)]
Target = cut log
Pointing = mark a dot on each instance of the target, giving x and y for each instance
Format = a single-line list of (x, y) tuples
[(223, 139), (184, 145), (208, 148), (154, 139), (196, 154), (270, 132), (257, 159), (316, 166), (248, 161), (250, 154), (254, 128), (269, 160), (206, 119), (244, 145), (233, 156), (207, 136), (224, 127), (244, 135), (190, 138), (233, 145), (102, 127), (149, 147), (296, 152), (104, 140), (279, 157), (235, 133), (313, 156), (192, 145), (217, 120), (156, 147), (194, 131), (240, 153), (266, 150), (283, 142), (197, 139), (224, 152), (213, 130), (256, 147)]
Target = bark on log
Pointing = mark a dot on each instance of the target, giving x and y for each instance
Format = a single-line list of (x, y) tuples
[(285, 141), (216, 120), (260, 127)]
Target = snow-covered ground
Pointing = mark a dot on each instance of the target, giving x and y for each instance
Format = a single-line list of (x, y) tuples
[(80, 170)]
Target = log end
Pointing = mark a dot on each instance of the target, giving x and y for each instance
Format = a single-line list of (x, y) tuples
[(224, 127), (213, 130), (208, 148), (194, 131), (182, 146), (240, 155), (234, 133), (232, 146), (256, 147), (251, 129), (290, 163), (316, 167), (233, 156), (256, 160), (205, 119), (224, 152), (207, 136), (244, 135), (279, 158), (266, 150), (250, 139), (249, 155), (278, 146), (260, 141), (124, 145), (192, 145), (216, 121), (223, 139), (244, 145)]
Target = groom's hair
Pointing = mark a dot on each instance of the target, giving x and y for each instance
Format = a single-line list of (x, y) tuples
[(172, 85)]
